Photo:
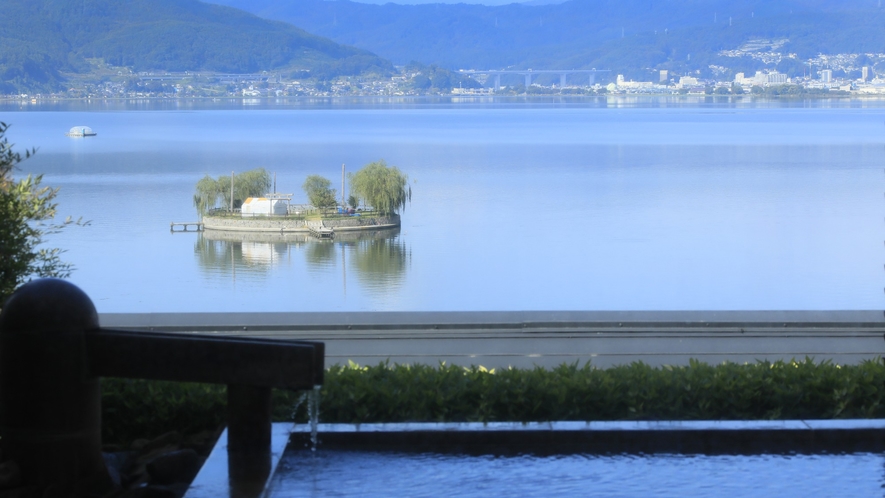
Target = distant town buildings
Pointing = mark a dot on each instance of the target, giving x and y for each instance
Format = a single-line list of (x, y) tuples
[(847, 73), (687, 82), (634, 86), (761, 79)]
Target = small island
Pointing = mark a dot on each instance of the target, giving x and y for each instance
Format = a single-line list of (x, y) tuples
[(246, 202)]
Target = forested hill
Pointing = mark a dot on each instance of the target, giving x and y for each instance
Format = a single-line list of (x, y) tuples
[(615, 34), (40, 39)]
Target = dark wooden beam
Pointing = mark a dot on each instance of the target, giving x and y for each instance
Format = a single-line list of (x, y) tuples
[(273, 363)]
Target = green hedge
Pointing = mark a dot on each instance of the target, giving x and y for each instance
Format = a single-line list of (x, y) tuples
[(133, 409), (396, 393)]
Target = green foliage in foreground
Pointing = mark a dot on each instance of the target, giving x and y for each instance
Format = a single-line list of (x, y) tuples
[(781, 390), (421, 393), (133, 409), (27, 216)]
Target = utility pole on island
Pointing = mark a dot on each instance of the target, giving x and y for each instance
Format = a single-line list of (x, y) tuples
[(231, 192), (342, 186)]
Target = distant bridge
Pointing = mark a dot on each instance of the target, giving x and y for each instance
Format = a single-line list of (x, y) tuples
[(528, 73)]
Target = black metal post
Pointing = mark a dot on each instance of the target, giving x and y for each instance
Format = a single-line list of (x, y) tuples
[(50, 404)]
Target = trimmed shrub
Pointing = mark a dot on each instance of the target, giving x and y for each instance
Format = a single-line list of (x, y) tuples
[(447, 393)]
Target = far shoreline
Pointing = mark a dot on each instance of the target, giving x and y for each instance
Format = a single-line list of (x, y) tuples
[(135, 103)]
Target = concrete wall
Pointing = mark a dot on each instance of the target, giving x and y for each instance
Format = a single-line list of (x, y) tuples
[(525, 339)]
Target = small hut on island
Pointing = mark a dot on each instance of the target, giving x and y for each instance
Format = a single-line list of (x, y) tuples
[(269, 205)]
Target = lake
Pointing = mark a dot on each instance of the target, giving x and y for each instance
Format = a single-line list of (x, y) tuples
[(538, 205)]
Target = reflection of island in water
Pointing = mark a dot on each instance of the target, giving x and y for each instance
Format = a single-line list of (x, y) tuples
[(378, 257)]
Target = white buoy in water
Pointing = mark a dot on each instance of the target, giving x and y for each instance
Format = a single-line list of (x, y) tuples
[(81, 131)]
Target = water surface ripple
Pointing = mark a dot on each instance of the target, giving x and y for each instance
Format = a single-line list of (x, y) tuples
[(369, 474), (514, 208)]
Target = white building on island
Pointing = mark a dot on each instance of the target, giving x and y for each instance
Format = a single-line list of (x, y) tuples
[(270, 205)]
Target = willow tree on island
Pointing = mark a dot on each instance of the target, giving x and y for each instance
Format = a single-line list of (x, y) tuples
[(210, 192), (383, 187)]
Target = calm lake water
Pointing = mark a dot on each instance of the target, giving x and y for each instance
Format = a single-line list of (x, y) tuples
[(532, 206)]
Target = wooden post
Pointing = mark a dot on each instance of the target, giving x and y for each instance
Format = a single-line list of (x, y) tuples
[(50, 403), (248, 438)]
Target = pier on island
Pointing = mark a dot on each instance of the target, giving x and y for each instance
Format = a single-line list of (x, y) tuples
[(185, 226)]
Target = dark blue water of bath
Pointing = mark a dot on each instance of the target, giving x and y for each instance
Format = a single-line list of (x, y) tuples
[(367, 474)]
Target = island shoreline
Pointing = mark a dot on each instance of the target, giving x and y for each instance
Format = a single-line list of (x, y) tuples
[(286, 225)]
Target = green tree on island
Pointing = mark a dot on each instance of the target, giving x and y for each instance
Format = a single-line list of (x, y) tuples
[(252, 183), (383, 187), (27, 211), (320, 192)]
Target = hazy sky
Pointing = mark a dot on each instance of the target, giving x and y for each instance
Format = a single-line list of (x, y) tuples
[(484, 2)]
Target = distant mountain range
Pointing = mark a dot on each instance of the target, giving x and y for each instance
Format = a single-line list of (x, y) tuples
[(629, 36), (41, 39)]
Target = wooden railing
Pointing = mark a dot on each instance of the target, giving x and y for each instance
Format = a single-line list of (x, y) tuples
[(53, 353)]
